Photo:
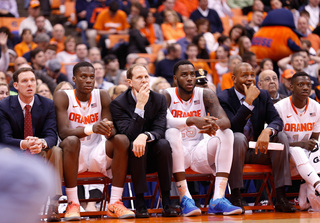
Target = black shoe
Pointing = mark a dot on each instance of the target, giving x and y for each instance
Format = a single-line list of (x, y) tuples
[(142, 212), (53, 214), (238, 202), (169, 211), (283, 205)]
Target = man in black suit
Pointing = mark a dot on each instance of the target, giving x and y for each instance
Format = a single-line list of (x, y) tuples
[(248, 109), (39, 135), (141, 115)]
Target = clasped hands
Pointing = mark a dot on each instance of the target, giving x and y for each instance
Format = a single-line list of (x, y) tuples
[(33, 144), (104, 127)]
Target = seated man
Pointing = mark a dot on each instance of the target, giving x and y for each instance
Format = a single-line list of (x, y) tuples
[(301, 119), (141, 115), (28, 122), (187, 119), (83, 117), (268, 80), (248, 109)]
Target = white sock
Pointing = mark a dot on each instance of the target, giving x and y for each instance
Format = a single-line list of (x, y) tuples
[(219, 187), (116, 194), (72, 195), (182, 187)]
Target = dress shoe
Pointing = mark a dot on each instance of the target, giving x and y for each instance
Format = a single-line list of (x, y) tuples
[(142, 213), (169, 211), (238, 202), (53, 214), (283, 205)]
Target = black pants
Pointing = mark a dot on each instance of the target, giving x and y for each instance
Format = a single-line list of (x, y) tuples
[(157, 158)]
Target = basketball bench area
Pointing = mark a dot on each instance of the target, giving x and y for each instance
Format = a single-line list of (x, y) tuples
[(250, 172)]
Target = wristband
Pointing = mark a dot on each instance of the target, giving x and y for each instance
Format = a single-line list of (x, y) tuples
[(88, 130)]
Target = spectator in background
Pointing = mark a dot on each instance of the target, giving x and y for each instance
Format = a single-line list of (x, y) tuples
[(251, 58), (268, 80), (50, 52), (284, 87), (189, 28), (53, 68), (82, 55), (110, 21), (235, 33), (42, 39), (40, 23), (152, 31), (266, 64), (165, 67), (200, 41), (221, 66), (171, 28), (137, 41), (64, 85), (4, 57), (29, 22), (130, 59), (37, 59), (44, 91), (227, 81), (171, 5), (314, 11), (275, 4), (116, 90), (58, 37), (99, 68), (192, 52), (204, 12), (8, 8), (113, 71), (4, 90), (254, 25), (135, 10), (257, 6), (26, 44), (239, 4), (69, 53), (244, 44), (94, 54), (302, 27), (221, 7), (203, 27), (159, 84)]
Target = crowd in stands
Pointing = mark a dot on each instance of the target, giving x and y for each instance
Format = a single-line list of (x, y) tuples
[(214, 35)]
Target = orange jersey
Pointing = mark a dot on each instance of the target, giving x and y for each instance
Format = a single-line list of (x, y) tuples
[(226, 81), (272, 42), (190, 5), (106, 22), (59, 44), (169, 33), (22, 48)]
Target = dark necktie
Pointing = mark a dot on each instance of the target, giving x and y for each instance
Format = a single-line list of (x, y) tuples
[(248, 128), (27, 122)]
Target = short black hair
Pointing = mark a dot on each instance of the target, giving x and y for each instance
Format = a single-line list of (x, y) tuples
[(79, 65), (34, 52), (299, 74), (246, 57), (179, 63), (263, 61), (19, 71)]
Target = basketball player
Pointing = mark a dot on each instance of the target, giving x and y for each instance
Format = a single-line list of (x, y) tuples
[(188, 107), (301, 119), (88, 139)]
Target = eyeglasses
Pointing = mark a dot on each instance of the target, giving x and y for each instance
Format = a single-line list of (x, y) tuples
[(268, 79)]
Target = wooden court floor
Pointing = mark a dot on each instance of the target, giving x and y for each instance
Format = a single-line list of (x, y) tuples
[(273, 217)]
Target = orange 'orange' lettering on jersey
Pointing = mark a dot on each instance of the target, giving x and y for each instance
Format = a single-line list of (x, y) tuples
[(182, 114), (83, 119), (298, 127)]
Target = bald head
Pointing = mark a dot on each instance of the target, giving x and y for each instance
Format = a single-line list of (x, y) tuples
[(19, 61), (58, 32), (268, 80), (237, 68)]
